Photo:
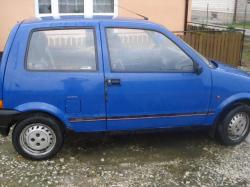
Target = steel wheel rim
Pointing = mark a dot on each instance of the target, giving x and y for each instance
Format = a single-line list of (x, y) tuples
[(238, 126), (37, 139)]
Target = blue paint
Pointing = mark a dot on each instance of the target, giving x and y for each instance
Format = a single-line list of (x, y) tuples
[(78, 98)]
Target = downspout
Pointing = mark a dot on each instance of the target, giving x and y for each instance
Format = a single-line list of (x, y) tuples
[(186, 14), (235, 10)]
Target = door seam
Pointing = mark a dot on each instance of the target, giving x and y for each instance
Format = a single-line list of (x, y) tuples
[(104, 76)]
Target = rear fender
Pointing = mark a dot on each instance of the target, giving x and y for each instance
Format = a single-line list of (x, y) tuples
[(44, 107), (5, 56)]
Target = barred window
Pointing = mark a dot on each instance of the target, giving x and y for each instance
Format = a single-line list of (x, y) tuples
[(76, 7), (71, 6), (44, 6), (103, 6)]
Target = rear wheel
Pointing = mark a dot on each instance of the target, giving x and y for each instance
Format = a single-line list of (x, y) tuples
[(235, 126), (38, 137)]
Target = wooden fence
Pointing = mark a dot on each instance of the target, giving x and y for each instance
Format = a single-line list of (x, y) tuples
[(225, 46)]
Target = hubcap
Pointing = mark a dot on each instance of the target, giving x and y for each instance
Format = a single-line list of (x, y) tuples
[(37, 139), (238, 126)]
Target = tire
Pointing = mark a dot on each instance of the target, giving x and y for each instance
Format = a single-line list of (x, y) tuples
[(235, 126), (38, 137)]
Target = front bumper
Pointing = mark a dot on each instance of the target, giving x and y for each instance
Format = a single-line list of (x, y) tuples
[(6, 119)]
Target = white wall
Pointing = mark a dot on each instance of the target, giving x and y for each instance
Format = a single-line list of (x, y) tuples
[(242, 6), (214, 5)]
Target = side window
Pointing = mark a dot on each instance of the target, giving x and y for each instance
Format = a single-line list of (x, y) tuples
[(59, 50), (135, 50)]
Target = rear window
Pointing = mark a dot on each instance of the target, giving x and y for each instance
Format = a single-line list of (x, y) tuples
[(62, 50)]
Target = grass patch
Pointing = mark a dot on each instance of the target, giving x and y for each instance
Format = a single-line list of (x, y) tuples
[(240, 25)]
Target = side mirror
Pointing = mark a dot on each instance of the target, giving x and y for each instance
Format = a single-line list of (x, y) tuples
[(197, 69)]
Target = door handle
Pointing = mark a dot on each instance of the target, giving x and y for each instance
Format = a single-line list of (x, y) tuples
[(113, 82)]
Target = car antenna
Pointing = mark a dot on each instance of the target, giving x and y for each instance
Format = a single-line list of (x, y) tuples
[(133, 12)]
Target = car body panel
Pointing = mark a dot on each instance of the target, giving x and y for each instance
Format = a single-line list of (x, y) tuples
[(5, 56), (63, 88)]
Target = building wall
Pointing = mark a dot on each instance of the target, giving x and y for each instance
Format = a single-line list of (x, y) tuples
[(220, 12), (212, 17), (243, 6), (226, 6), (168, 13), (12, 11), (213, 11)]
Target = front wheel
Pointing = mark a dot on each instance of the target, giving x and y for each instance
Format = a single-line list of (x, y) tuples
[(235, 126), (38, 137)]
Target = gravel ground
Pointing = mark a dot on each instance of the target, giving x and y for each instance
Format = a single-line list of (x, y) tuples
[(131, 159)]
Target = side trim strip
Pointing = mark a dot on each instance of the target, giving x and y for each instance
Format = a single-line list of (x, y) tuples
[(75, 120), (116, 118)]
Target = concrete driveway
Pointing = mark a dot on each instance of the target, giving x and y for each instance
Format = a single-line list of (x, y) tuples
[(247, 33), (134, 159)]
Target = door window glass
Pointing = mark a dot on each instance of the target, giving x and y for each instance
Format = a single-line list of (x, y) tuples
[(134, 50)]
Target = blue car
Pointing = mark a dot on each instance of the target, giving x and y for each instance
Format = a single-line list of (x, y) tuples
[(103, 74)]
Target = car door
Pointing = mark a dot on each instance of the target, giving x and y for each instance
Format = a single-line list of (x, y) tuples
[(150, 80), (61, 73)]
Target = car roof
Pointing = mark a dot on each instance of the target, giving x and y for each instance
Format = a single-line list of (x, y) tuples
[(51, 19)]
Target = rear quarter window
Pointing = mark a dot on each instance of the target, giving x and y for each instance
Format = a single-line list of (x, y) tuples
[(62, 50)]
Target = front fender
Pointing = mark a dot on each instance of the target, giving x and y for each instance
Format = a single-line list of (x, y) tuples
[(43, 107), (230, 100), (225, 104)]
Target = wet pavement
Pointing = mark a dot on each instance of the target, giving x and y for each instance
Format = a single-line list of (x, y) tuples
[(180, 158)]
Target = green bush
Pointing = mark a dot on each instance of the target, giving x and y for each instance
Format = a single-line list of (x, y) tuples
[(230, 27)]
